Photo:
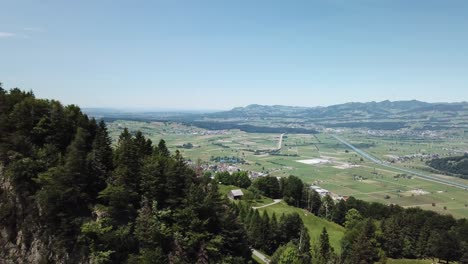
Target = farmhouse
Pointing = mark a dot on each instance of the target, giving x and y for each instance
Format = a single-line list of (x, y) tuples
[(235, 194)]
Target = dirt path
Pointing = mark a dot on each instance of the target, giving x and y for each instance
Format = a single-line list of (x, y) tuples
[(263, 206), (260, 256)]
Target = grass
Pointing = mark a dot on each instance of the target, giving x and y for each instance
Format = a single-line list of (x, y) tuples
[(313, 223)]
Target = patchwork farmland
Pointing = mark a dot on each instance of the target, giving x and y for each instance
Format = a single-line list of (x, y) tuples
[(324, 161)]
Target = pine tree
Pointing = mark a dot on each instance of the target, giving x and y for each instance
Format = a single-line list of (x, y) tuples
[(316, 203), (340, 212), (274, 233), (266, 233), (64, 196), (100, 160), (162, 149), (364, 247), (143, 145), (153, 179), (303, 245), (325, 249), (254, 230), (393, 237)]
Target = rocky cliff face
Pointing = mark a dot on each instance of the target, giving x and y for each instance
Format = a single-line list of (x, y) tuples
[(22, 240)]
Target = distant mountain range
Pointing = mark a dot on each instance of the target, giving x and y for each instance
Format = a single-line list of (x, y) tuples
[(369, 109), (384, 115)]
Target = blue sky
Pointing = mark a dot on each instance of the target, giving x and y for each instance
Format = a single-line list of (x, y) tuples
[(220, 54)]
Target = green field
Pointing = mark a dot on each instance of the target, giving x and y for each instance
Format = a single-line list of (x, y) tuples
[(346, 173)]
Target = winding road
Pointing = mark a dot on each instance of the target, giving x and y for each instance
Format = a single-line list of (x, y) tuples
[(385, 164)]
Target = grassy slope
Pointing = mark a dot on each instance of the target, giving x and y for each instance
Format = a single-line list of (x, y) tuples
[(313, 223)]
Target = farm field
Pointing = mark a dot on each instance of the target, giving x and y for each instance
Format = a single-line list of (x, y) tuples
[(322, 160)]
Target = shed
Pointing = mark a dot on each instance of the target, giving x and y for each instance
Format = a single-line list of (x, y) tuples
[(235, 194)]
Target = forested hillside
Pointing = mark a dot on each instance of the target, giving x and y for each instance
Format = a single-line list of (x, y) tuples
[(67, 197), (452, 165)]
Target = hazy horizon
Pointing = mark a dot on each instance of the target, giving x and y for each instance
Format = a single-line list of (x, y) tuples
[(218, 55), (201, 110)]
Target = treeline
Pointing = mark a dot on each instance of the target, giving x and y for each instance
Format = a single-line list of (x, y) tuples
[(376, 231), (370, 125), (269, 234), (239, 178), (214, 125), (66, 196), (453, 165)]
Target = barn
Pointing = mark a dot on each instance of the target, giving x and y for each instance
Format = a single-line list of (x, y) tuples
[(235, 194)]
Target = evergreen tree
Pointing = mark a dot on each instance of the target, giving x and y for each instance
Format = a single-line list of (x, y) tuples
[(364, 247), (266, 234), (316, 203), (340, 212), (292, 190), (162, 149), (268, 185), (303, 246), (100, 160), (393, 240), (274, 233), (143, 145), (254, 230), (64, 196), (325, 249), (327, 208), (290, 227)]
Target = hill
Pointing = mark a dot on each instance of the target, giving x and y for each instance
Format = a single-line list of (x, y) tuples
[(452, 165)]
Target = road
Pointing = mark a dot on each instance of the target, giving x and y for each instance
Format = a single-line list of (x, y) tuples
[(280, 143), (260, 256), (263, 206), (384, 164)]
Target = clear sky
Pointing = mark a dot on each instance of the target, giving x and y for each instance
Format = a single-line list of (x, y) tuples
[(198, 54)]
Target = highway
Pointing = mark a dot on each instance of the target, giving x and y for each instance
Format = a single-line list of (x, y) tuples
[(385, 164), (280, 142)]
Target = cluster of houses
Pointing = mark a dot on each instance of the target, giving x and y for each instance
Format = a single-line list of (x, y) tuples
[(408, 132), (255, 174)]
